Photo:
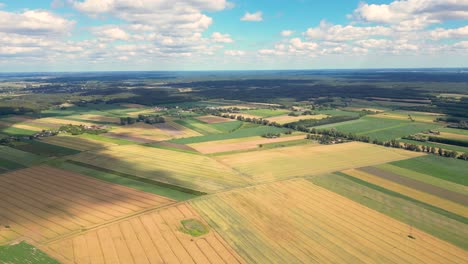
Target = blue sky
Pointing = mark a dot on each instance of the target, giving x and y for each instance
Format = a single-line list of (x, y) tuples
[(77, 35)]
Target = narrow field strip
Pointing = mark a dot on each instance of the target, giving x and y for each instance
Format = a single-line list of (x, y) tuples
[(417, 185), (410, 192)]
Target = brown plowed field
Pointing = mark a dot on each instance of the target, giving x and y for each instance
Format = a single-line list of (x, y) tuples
[(153, 237), (43, 203)]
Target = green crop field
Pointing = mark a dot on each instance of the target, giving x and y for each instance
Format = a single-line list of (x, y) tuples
[(45, 149), (102, 138), (336, 112), (454, 131), (7, 165), (454, 187), (381, 128), (13, 131), (242, 132), (24, 253), (227, 127), (402, 208), (19, 156), (266, 112), (197, 125), (448, 169)]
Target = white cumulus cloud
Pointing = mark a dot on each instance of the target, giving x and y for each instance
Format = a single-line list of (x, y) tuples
[(34, 22), (221, 38), (412, 14), (287, 33), (253, 17)]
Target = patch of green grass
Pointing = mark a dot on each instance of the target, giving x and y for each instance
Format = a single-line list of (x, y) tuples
[(20, 157), (381, 128), (13, 131), (157, 145), (402, 208), (10, 165), (227, 127), (454, 131), (444, 168), (197, 125), (240, 133), (398, 195), (264, 112), (194, 227), (131, 181), (103, 138), (24, 253), (44, 149), (287, 143), (96, 122), (337, 112)]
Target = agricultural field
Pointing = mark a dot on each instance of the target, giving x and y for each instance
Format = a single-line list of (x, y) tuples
[(296, 221), (43, 203), (7, 165), (254, 130), (247, 143), (94, 119), (19, 157), (266, 112), (191, 171), (198, 126), (77, 143), (146, 133), (417, 116), (15, 131), (447, 169), (381, 128), (423, 216), (463, 132), (154, 237), (211, 119), (411, 174), (285, 119), (425, 193), (298, 161), (200, 188), (44, 149), (24, 253), (125, 180)]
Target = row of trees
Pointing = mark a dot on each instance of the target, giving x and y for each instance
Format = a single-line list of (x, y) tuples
[(331, 136), (81, 129), (148, 119)]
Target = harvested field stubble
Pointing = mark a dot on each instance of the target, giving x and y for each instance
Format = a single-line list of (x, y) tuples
[(43, 203), (298, 222), (307, 160), (177, 168), (153, 237)]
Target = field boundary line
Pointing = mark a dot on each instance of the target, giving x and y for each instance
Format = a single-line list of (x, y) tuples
[(112, 221)]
